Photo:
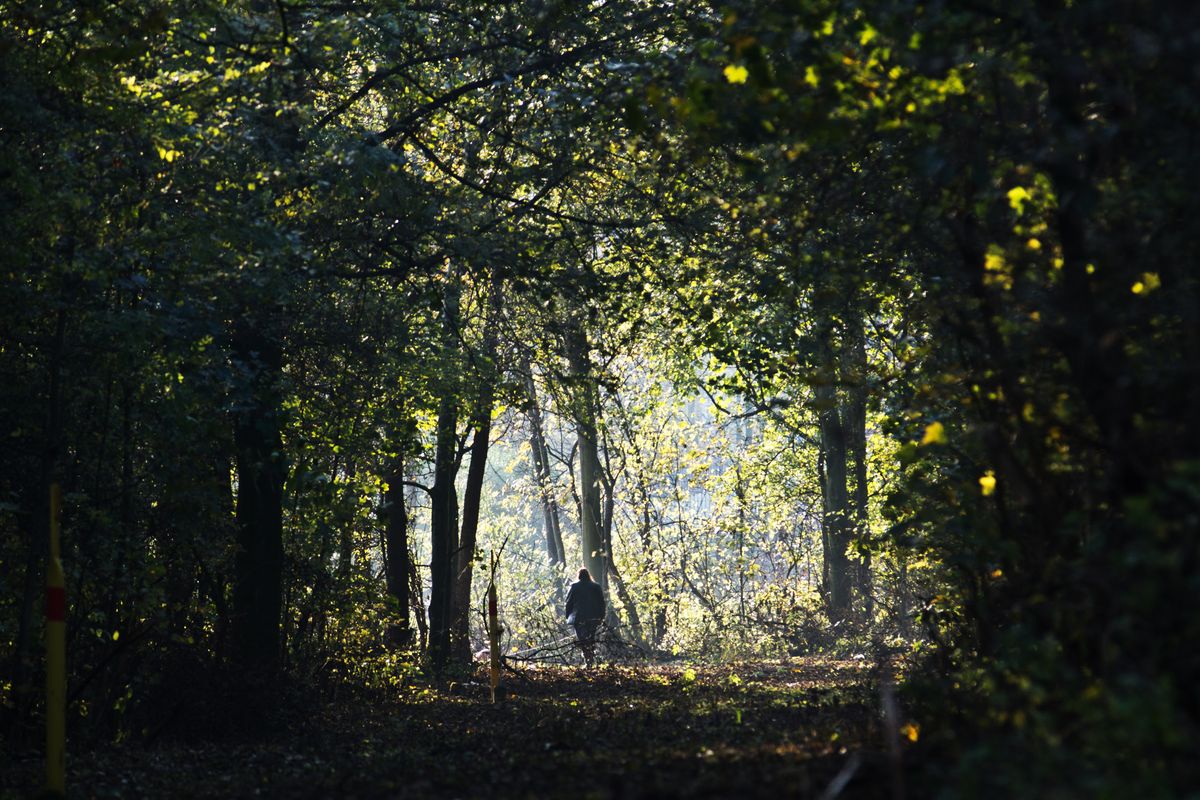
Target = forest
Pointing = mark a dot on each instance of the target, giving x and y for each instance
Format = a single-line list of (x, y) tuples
[(844, 343)]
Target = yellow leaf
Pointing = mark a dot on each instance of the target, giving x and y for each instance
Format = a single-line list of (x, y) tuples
[(993, 262), (736, 73), (811, 78), (987, 483), (1017, 197), (910, 731), (1149, 282), (867, 36), (935, 433), (1034, 244)]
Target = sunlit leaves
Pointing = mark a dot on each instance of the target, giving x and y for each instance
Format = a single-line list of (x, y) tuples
[(736, 73), (1017, 197), (935, 433), (1148, 282)]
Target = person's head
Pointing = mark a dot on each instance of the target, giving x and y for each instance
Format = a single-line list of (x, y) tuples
[(584, 575)]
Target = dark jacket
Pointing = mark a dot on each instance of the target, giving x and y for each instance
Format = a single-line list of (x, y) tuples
[(585, 602)]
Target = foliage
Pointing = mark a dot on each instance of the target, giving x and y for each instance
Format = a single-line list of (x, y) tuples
[(877, 318)]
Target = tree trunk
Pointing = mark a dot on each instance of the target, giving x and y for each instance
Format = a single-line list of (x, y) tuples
[(555, 551), (635, 621), (835, 522), (443, 530), (460, 644), (595, 556), (854, 374), (258, 579), (416, 601), (443, 515), (396, 548), (658, 599)]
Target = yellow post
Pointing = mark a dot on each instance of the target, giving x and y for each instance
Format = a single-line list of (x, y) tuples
[(56, 657)]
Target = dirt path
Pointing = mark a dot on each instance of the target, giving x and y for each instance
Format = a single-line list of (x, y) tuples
[(775, 730)]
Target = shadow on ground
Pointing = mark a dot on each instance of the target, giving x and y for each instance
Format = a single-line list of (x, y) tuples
[(764, 730)]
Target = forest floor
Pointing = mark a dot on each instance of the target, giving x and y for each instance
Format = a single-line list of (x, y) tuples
[(797, 728)]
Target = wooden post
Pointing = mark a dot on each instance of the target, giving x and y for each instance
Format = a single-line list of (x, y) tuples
[(56, 656), (493, 630)]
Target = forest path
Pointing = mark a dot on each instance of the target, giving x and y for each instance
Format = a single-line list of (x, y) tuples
[(771, 730)]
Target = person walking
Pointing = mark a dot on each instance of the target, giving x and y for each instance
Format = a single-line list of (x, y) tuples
[(585, 610)]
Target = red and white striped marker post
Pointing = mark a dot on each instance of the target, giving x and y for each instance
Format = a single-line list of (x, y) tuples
[(56, 657)]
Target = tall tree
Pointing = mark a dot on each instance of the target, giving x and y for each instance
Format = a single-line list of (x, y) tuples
[(443, 524), (481, 422), (584, 402), (261, 471)]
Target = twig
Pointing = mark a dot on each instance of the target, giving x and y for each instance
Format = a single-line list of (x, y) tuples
[(842, 778), (891, 725)]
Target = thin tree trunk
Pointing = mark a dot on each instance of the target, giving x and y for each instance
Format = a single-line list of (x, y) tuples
[(215, 579), (257, 596), (396, 547), (472, 497), (443, 528), (595, 556), (635, 621), (659, 606), (541, 472), (416, 599), (854, 378), (835, 522), (740, 493), (485, 399)]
